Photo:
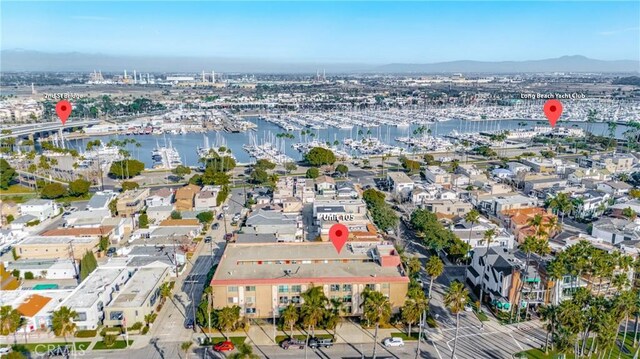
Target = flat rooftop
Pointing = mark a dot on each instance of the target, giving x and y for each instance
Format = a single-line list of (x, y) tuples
[(56, 240), (138, 288), (305, 262), (92, 287)]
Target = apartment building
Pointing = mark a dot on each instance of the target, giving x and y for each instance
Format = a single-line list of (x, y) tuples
[(96, 291), (137, 298), (51, 247), (263, 278), (400, 183)]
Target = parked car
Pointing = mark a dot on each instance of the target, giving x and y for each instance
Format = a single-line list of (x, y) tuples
[(468, 308), (188, 324), (236, 217), (220, 216), (393, 342), (5, 350), (215, 226), (208, 239), (292, 342), (320, 343), (111, 251), (225, 207), (228, 236), (72, 209), (224, 346)]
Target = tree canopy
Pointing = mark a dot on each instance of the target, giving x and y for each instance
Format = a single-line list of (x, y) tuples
[(312, 173), (7, 174), (126, 168), (319, 156), (53, 190), (79, 187)]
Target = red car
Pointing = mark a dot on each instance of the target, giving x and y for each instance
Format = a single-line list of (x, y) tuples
[(224, 347)]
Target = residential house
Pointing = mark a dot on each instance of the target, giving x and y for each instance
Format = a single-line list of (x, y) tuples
[(517, 221), (325, 185), (538, 185), (502, 277), (207, 198), (616, 230), (541, 165), (517, 167), (346, 189), (287, 227), (50, 247), (100, 200), (474, 234), (131, 202), (437, 175), (614, 188), (159, 214), (494, 205), (612, 162), (400, 183), (590, 204), (580, 175), (305, 190), (184, 197), (160, 198), (87, 219), (447, 208), (41, 209)]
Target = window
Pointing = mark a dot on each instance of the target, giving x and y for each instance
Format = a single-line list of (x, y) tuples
[(371, 286), (116, 315), (283, 289), (81, 317), (335, 287), (250, 288), (232, 300), (250, 300), (385, 285), (283, 300), (346, 299), (296, 288), (295, 299), (346, 287), (250, 310), (232, 289)]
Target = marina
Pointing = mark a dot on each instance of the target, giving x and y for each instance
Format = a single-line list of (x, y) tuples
[(436, 136)]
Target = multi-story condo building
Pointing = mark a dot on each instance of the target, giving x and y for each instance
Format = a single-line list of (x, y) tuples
[(263, 278)]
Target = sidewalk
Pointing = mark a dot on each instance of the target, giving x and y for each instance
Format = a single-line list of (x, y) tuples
[(346, 332)]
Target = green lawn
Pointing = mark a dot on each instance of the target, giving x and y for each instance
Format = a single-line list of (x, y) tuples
[(43, 347), (404, 336), (16, 189), (119, 344), (303, 337)]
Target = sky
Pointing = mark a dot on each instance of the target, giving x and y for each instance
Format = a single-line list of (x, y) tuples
[(339, 32)]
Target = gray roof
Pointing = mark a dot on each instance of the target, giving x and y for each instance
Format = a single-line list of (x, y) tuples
[(330, 209), (263, 217), (24, 219), (37, 202), (99, 201), (256, 238)]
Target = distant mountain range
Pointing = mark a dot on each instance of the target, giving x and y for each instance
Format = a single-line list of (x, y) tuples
[(27, 60), (561, 64)]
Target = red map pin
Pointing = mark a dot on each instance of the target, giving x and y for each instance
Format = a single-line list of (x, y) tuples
[(553, 110), (338, 234), (63, 109)]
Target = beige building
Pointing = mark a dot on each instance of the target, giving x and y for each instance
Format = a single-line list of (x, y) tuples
[(263, 278), (447, 208), (437, 175), (51, 247), (131, 202), (137, 298), (184, 197)]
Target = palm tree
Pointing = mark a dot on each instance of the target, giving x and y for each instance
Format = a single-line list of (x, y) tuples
[(244, 351), (472, 217), (62, 322), (488, 237), (376, 308), (313, 309), (412, 310), (10, 321), (455, 299), (625, 305), (555, 271), (290, 317), (165, 291), (528, 246), (414, 265), (332, 316), (434, 268), (549, 313), (227, 318), (562, 204)]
